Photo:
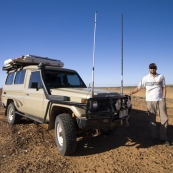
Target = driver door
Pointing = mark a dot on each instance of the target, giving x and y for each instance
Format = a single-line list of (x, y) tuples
[(34, 96)]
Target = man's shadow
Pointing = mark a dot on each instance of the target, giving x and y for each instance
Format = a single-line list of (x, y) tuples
[(136, 134)]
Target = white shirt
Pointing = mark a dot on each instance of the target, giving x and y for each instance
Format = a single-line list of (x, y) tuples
[(153, 85)]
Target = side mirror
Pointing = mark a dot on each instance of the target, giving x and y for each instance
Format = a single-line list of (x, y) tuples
[(34, 85)]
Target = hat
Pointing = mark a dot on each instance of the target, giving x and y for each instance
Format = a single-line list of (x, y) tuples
[(153, 65)]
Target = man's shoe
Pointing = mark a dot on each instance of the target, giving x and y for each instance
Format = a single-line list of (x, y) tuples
[(155, 141), (165, 142)]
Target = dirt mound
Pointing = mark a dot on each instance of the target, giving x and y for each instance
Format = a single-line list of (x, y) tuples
[(29, 147)]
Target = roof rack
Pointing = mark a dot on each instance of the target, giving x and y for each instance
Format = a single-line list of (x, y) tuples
[(30, 60)]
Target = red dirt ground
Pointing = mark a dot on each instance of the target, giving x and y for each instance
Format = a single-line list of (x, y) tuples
[(29, 147)]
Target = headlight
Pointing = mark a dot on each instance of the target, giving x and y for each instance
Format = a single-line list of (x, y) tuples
[(118, 104), (95, 104)]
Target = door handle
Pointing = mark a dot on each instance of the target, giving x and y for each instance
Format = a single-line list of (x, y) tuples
[(27, 94), (4, 92)]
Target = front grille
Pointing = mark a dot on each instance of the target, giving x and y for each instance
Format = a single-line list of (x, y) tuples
[(105, 104)]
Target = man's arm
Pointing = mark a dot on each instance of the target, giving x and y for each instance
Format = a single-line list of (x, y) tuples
[(163, 87), (164, 92), (135, 90)]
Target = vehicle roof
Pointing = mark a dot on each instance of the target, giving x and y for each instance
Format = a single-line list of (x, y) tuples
[(46, 67)]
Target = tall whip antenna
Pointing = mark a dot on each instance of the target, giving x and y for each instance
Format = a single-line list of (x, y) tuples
[(122, 55), (94, 54)]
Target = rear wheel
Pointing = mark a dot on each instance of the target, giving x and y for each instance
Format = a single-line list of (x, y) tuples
[(12, 117), (65, 134)]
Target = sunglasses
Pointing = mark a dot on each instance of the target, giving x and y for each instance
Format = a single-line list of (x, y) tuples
[(153, 68)]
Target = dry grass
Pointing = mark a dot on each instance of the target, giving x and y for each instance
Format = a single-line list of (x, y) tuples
[(141, 93), (0, 93)]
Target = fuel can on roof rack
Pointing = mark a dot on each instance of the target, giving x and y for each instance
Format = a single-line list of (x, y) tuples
[(30, 60)]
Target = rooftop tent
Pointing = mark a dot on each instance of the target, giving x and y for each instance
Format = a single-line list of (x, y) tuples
[(30, 60)]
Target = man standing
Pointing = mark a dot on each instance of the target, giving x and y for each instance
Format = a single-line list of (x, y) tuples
[(156, 103)]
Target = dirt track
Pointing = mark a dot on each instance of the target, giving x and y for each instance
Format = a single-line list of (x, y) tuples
[(29, 147)]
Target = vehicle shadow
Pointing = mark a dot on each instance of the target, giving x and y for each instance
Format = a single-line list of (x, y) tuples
[(27, 121), (136, 134)]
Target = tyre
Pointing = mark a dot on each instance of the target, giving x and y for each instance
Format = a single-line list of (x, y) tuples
[(65, 134), (12, 117)]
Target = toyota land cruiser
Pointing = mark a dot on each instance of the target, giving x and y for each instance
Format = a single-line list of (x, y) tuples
[(40, 89)]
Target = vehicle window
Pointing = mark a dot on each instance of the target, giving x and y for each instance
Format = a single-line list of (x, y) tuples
[(20, 75), (56, 79), (73, 80), (35, 79), (9, 79)]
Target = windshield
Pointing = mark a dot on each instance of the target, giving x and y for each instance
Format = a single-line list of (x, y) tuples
[(62, 79)]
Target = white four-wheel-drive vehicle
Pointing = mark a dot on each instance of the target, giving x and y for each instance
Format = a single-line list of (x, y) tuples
[(40, 89)]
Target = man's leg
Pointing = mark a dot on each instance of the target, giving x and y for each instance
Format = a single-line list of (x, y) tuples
[(163, 119), (152, 108)]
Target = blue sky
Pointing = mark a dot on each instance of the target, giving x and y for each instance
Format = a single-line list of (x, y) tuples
[(64, 29)]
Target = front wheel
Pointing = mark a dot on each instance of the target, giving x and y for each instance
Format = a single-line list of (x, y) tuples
[(65, 134), (12, 117)]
